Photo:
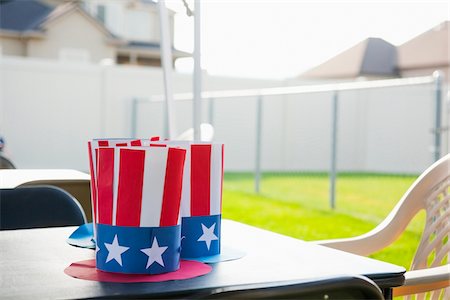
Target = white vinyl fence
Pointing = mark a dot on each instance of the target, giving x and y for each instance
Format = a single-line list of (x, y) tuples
[(48, 110)]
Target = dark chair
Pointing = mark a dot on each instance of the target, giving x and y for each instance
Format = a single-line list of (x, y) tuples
[(38, 206), (342, 287)]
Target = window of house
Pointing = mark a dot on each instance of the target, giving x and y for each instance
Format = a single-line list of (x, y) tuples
[(101, 13), (138, 25)]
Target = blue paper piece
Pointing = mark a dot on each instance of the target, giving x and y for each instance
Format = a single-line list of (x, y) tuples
[(138, 250), (200, 236), (83, 237), (226, 254)]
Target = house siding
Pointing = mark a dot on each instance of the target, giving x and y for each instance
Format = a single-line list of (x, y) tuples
[(73, 31), (12, 46)]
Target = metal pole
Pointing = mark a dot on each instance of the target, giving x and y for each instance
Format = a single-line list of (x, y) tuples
[(166, 60), (134, 103), (438, 107), (259, 108), (103, 102), (197, 73), (334, 131)]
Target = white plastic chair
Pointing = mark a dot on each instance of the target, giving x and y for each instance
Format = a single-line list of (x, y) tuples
[(206, 133), (430, 268)]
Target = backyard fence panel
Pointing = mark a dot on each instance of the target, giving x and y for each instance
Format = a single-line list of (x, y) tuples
[(380, 130), (273, 133), (399, 128), (235, 126), (308, 123), (46, 111)]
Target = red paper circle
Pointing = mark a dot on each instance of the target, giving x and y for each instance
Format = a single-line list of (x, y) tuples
[(86, 270)]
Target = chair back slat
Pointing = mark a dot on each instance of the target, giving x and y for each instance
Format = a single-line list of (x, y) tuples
[(434, 246)]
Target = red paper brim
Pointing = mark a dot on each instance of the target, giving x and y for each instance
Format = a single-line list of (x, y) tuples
[(86, 270)]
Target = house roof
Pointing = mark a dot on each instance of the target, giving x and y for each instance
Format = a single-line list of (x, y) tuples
[(429, 49), (70, 7), (371, 57), (24, 17), (16, 15), (31, 18)]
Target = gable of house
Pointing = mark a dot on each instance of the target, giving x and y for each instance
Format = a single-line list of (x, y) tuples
[(32, 28), (371, 57), (374, 57), (426, 52), (68, 32), (72, 35)]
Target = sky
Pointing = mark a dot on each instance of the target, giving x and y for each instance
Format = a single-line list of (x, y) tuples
[(281, 39)]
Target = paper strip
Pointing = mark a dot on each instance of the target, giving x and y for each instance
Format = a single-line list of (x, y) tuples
[(172, 187), (105, 185), (186, 191), (152, 194), (200, 180), (138, 250), (216, 179), (93, 183), (130, 187)]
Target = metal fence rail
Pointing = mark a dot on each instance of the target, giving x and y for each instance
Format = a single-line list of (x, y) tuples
[(335, 89)]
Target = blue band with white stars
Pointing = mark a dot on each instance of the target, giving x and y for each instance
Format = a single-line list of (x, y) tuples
[(138, 250), (200, 236)]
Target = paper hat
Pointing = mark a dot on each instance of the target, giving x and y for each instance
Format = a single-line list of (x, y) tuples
[(201, 202), (201, 205), (93, 147), (138, 194)]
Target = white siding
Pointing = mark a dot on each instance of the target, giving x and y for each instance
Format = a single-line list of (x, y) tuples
[(74, 32)]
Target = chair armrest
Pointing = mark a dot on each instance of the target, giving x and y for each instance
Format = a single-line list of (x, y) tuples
[(360, 245), (424, 280), (381, 236)]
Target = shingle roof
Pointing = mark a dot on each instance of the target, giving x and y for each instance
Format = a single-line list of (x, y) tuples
[(22, 16), (380, 58), (371, 57), (430, 49)]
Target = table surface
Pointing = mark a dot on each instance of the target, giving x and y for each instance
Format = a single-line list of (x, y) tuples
[(12, 178), (32, 264)]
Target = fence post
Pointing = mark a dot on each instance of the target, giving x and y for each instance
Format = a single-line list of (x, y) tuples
[(334, 131), (167, 65), (197, 88), (259, 105), (211, 111), (437, 120), (134, 103)]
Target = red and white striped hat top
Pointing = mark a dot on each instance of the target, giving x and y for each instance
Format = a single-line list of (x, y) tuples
[(138, 186)]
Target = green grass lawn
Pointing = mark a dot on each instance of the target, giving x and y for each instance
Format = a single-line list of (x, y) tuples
[(297, 205)]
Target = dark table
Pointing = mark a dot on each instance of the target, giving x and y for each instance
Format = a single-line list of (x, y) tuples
[(32, 264)]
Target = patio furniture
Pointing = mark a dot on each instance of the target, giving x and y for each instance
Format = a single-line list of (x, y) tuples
[(6, 163), (271, 259), (74, 182), (339, 287), (430, 268), (206, 133), (34, 207)]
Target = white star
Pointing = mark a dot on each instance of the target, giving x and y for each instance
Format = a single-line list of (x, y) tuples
[(154, 253), (208, 235), (115, 251)]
